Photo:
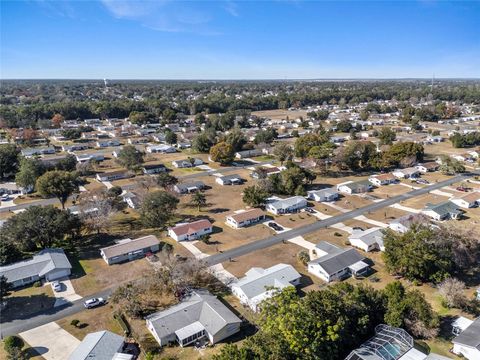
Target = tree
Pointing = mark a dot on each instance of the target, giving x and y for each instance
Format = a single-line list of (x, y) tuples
[(170, 137), (13, 342), (254, 196), (304, 143), (72, 134), (364, 115), (415, 254), (222, 153), (141, 117), (265, 136), (69, 163), (157, 208), (57, 120), (166, 181), (204, 141), (450, 166), (283, 152), (130, 158), (8, 160), (303, 257), (60, 184), (400, 151), (387, 136), (453, 292), (236, 138), (97, 208), (40, 227), (30, 170), (357, 155), (344, 126), (5, 287), (9, 253), (198, 199)]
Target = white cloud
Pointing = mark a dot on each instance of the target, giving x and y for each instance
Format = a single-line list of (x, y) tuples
[(231, 8)]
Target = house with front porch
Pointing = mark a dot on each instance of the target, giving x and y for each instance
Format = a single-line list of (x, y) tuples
[(286, 206), (190, 231)]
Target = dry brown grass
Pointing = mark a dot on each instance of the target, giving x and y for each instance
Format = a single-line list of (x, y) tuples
[(27, 301), (296, 220)]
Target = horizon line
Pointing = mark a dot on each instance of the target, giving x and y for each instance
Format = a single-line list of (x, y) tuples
[(247, 79)]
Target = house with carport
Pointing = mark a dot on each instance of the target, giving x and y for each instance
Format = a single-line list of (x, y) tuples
[(190, 231), (128, 249)]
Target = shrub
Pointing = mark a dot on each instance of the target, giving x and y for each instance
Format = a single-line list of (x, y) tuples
[(123, 323), (37, 284), (303, 257), (75, 322), (149, 344), (336, 233), (10, 343)]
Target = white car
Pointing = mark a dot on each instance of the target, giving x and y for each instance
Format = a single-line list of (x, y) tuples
[(5, 197), (57, 286), (94, 302)]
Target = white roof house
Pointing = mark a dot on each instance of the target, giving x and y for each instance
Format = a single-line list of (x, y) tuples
[(199, 315), (406, 173), (101, 345), (443, 211), (162, 148), (329, 194), (288, 205), (467, 343), (357, 187), (260, 284), (469, 200), (368, 240)]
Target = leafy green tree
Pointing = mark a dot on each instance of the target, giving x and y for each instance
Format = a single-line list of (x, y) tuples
[(233, 352), (13, 342), (387, 136), (357, 155), (204, 141), (141, 117), (344, 126), (5, 287), (416, 256), (60, 184), (72, 134), (321, 152), (283, 152), (69, 163), (265, 136), (157, 208), (9, 252), (236, 138), (30, 170), (166, 181), (40, 227), (130, 158), (170, 137), (8, 160), (400, 151), (198, 199), (222, 153), (364, 115), (254, 196), (450, 166), (304, 143)]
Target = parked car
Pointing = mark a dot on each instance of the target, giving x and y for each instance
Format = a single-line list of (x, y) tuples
[(275, 226), (422, 181), (5, 197), (462, 188), (57, 286), (310, 210), (94, 302), (357, 228)]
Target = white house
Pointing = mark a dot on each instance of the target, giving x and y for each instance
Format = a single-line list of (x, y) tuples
[(187, 163), (406, 173), (233, 179), (323, 195), (467, 201), (356, 187), (467, 343), (334, 263), (368, 240), (382, 179), (160, 149), (113, 175), (443, 211), (288, 205), (260, 284), (190, 231), (427, 167), (153, 169), (403, 224), (190, 187), (199, 315), (248, 153), (245, 218)]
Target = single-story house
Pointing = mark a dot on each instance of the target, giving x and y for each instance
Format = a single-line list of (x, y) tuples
[(190, 231), (467, 343), (435, 139), (108, 143), (335, 263), (382, 179), (260, 284), (233, 179), (199, 315), (132, 199), (128, 249), (443, 211), (428, 167), (245, 218), (82, 158), (406, 173), (323, 195), (154, 168), (288, 205), (101, 345), (113, 175), (404, 223), (265, 171), (161, 149), (136, 141), (357, 187), (28, 152), (368, 240), (187, 163), (190, 187), (74, 147), (248, 153), (48, 264), (467, 201), (460, 324)]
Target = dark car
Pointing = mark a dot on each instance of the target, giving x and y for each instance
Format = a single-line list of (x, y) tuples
[(275, 226)]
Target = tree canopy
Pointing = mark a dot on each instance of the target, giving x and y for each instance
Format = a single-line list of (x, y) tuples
[(60, 184), (157, 208)]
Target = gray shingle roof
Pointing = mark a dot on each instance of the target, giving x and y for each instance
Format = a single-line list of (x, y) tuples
[(101, 345), (199, 306), (288, 202), (444, 208), (125, 247), (339, 260), (470, 336), (41, 263)]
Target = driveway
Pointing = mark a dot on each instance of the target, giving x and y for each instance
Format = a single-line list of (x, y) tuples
[(67, 294), (51, 341)]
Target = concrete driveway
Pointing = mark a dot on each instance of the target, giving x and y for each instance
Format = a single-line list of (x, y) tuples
[(51, 341), (67, 294)]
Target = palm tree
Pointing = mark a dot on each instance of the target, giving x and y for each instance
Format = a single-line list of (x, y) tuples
[(199, 199)]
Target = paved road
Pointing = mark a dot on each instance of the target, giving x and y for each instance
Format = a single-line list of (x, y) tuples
[(23, 324), (52, 201), (275, 239), (42, 318)]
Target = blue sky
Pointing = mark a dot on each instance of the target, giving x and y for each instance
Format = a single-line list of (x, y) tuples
[(162, 39)]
